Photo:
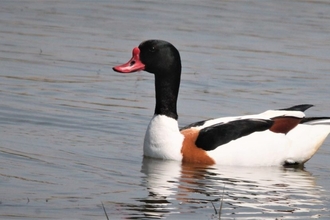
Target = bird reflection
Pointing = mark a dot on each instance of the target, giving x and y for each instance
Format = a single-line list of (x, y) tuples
[(174, 188)]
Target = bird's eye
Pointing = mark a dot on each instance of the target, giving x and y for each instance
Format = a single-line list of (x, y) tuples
[(152, 49)]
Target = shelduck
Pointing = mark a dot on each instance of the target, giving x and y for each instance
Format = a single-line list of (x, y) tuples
[(271, 138)]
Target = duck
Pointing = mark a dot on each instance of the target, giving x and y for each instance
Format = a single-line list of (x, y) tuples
[(278, 137)]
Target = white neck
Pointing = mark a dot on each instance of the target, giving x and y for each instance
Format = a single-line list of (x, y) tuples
[(163, 139)]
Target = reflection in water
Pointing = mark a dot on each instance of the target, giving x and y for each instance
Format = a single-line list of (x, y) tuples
[(161, 182), (175, 188)]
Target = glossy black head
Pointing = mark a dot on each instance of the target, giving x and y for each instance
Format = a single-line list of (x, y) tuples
[(160, 57)]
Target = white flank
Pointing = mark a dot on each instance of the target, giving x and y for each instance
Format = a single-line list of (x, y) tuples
[(257, 149)]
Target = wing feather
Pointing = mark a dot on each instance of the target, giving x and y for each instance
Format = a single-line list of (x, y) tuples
[(211, 137)]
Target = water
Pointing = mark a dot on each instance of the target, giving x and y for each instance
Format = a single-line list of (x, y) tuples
[(71, 129)]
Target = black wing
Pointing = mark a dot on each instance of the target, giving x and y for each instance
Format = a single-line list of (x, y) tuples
[(210, 138), (301, 108), (315, 119)]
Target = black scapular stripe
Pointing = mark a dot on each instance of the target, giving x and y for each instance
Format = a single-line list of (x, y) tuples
[(195, 124), (210, 138)]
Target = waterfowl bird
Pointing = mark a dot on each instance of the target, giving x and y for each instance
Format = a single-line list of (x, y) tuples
[(271, 138)]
